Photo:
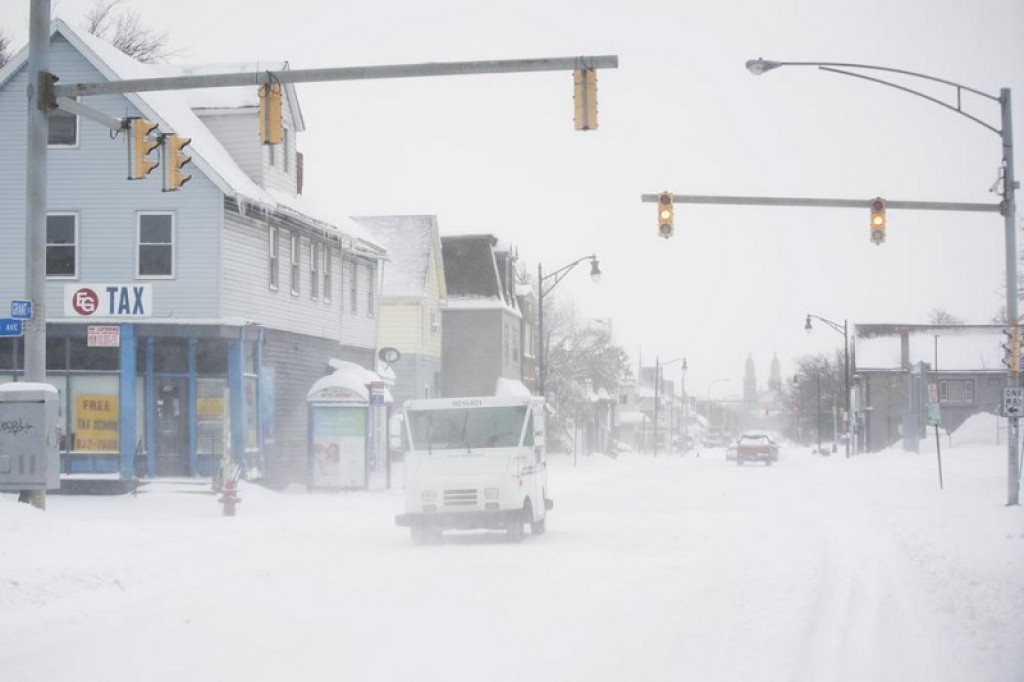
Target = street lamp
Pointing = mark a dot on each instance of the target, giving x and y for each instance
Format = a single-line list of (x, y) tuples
[(842, 329), (1007, 207), (542, 291), (657, 385)]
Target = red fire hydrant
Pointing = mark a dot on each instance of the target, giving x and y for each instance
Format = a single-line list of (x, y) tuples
[(229, 498)]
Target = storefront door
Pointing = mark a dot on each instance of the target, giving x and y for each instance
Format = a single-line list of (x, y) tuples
[(171, 455)]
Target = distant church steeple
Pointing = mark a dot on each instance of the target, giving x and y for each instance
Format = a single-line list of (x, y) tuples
[(775, 378), (749, 381)]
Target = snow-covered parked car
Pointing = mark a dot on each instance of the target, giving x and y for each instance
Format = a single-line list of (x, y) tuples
[(756, 447)]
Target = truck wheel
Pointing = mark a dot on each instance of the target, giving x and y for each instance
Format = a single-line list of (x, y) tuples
[(539, 527), (514, 531), (425, 535)]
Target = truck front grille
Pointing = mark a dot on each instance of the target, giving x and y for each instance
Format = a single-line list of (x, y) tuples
[(461, 497)]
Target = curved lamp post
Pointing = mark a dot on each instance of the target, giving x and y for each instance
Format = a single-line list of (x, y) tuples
[(1008, 206), (842, 329), (657, 385), (543, 289)]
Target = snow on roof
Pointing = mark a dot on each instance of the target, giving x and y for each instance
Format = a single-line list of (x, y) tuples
[(511, 388), (970, 348), (479, 303), (241, 97), (173, 114), (409, 240), (330, 217)]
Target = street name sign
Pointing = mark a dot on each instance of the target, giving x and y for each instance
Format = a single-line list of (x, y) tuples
[(21, 310), (10, 327)]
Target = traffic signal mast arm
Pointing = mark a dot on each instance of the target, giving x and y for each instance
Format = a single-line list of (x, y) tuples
[(338, 74), (823, 203)]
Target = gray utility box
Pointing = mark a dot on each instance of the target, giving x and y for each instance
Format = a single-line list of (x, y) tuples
[(29, 454)]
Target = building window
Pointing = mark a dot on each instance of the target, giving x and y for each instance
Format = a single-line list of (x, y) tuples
[(371, 291), (328, 279), (271, 154), (315, 251), (62, 129), (295, 262), (353, 288), (956, 391), (62, 245), (156, 245), (284, 149), (275, 258)]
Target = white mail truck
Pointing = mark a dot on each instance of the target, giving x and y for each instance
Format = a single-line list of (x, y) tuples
[(475, 463)]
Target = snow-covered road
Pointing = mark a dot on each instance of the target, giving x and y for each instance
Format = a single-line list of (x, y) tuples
[(652, 569)]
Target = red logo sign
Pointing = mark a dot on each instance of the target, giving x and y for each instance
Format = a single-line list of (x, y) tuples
[(85, 301)]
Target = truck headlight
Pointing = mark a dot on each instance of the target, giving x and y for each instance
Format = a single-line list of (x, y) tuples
[(428, 495), (490, 493)]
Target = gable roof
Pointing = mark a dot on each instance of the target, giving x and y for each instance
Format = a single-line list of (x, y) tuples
[(409, 241), (172, 113)]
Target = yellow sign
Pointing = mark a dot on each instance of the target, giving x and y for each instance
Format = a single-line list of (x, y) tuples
[(96, 423)]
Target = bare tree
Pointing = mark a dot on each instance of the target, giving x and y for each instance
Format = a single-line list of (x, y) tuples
[(941, 316), (5, 48), (122, 28)]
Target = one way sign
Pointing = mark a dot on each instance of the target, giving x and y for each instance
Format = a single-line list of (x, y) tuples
[(1013, 401)]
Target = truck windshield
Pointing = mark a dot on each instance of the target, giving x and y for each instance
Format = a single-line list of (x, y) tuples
[(469, 428)]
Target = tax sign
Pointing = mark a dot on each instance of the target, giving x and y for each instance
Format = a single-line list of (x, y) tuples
[(108, 300)]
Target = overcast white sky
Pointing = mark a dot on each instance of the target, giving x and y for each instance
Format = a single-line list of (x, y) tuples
[(499, 154)]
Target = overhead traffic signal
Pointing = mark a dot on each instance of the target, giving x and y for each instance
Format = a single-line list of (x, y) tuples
[(877, 220), (174, 160), (140, 146), (271, 114), (584, 95), (666, 215)]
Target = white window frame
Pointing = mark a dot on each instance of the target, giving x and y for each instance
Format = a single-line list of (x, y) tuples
[(964, 386), (353, 288), (328, 269), (138, 243), (315, 255), (371, 294), (296, 244), (74, 244), (284, 149), (274, 253)]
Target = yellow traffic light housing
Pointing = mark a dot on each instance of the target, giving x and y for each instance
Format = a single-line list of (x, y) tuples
[(174, 160), (140, 146), (1012, 348), (584, 96), (271, 114), (877, 220), (666, 215)]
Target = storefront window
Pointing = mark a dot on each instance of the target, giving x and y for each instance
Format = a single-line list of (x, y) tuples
[(8, 353), (94, 413), (211, 356), (171, 356), (56, 352), (211, 404), (93, 358)]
